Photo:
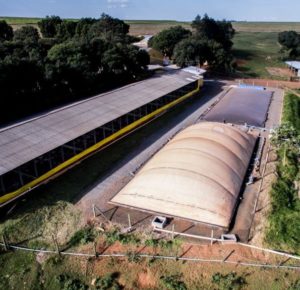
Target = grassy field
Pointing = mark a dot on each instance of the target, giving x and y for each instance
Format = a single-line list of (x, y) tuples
[(25, 20), (20, 20), (284, 218), (154, 26), (292, 110), (266, 26), (24, 272), (255, 51)]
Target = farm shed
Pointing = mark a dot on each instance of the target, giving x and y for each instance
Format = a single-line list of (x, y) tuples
[(40, 148)]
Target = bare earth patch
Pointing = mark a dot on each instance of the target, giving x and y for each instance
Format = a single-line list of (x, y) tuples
[(146, 279), (260, 220), (279, 72)]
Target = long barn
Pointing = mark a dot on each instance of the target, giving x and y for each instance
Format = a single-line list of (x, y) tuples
[(40, 148)]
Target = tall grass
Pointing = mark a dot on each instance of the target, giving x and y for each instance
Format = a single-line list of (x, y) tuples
[(284, 219), (291, 111)]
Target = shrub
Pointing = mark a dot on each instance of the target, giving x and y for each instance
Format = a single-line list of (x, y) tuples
[(133, 257), (82, 237), (114, 236), (228, 282), (108, 282), (173, 282), (152, 243), (295, 286), (67, 283)]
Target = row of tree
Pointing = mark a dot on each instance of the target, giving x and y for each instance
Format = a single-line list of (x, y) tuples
[(70, 60), (209, 41), (290, 42)]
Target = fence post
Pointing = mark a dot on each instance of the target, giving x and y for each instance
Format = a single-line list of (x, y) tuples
[(101, 213), (212, 236), (129, 221), (6, 246), (95, 249), (227, 257), (173, 229), (94, 211)]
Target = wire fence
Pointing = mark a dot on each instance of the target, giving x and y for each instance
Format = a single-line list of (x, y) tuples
[(96, 255)]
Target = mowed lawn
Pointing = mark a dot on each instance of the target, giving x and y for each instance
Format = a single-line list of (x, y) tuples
[(255, 51)]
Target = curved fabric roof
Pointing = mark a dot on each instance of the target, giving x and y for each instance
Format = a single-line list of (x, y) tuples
[(242, 105), (196, 176)]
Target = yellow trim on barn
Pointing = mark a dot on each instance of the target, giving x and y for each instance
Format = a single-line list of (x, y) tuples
[(29, 186)]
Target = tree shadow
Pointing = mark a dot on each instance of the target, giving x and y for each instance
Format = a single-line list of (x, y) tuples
[(242, 54)]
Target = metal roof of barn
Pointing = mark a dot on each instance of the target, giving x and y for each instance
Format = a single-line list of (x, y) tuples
[(294, 64), (25, 141)]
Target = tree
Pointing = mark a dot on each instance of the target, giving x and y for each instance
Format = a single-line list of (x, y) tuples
[(71, 61), (166, 40), (109, 28), (290, 41), (220, 31), (210, 41), (27, 34), (188, 52), (49, 26), (68, 66), (66, 30), (83, 26), (6, 31)]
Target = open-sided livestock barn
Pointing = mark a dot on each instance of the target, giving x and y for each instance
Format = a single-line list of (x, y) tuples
[(35, 150)]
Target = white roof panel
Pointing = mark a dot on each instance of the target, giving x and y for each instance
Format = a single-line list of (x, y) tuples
[(294, 64)]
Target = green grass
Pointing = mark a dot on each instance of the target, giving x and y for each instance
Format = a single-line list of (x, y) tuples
[(255, 52), (243, 26), (291, 110), (25, 20), (240, 26), (20, 20), (284, 218)]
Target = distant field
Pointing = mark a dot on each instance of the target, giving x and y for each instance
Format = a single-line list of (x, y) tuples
[(20, 20), (255, 52), (266, 26), (138, 27)]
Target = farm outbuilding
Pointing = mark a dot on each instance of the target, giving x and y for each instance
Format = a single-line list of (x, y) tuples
[(40, 148), (294, 66), (242, 105), (197, 176)]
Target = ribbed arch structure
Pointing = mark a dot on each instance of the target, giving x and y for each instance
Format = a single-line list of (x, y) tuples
[(197, 175)]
